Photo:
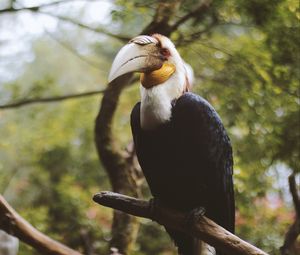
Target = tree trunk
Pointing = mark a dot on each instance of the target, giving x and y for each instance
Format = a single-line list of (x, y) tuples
[(120, 171)]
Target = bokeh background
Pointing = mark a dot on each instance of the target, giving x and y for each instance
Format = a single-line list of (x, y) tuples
[(245, 56)]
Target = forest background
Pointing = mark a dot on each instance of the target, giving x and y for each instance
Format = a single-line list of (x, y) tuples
[(245, 57)]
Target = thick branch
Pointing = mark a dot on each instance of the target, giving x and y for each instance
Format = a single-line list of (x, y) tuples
[(294, 230), (119, 169), (290, 238), (12, 223), (111, 155), (24, 102), (294, 193), (202, 227)]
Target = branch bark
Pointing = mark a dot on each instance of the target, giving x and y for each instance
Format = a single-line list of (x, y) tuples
[(201, 227), (120, 171), (24, 102), (12, 223), (294, 193), (294, 230)]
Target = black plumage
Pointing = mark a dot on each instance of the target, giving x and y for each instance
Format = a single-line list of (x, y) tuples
[(188, 162)]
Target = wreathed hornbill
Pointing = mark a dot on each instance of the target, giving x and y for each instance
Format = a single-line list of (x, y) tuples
[(180, 141)]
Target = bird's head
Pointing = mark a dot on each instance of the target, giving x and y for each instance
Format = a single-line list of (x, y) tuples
[(155, 57)]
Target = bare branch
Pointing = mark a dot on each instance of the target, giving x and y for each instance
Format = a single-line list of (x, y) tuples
[(12, 223), (38, 9), (98, 30), (24, 102), (202, 227), (12, 9)]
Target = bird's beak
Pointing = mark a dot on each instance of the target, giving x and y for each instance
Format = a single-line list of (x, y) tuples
[(136, 57)]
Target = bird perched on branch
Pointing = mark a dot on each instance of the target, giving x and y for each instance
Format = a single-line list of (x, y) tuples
[(180, 141)]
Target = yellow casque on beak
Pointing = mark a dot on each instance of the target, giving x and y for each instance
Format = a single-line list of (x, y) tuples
[(156, 77)]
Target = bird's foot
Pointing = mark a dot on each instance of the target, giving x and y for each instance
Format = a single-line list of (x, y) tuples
[(194, 216), (153, 204)]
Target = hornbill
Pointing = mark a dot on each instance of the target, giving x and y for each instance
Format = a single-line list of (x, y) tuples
[(180, 141)]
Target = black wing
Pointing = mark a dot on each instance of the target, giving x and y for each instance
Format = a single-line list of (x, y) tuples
[(188, 162), (211, 146)]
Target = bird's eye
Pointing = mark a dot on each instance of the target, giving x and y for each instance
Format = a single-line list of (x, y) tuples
[(165, 52)]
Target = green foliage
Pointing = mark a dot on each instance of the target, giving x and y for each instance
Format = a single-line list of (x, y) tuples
[(246, 66)]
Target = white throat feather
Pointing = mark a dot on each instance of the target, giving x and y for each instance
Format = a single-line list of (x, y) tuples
[(156, 102)]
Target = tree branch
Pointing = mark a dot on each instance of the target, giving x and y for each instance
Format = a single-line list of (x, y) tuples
[(120, 171), (294, 193), (202, 227), (122, 38), (12, 223), (12, 9), (294, 230), (38, 9), (24, 102)]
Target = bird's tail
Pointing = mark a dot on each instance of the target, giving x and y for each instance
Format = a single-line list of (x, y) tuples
[(206, 249), (202, 248), (198, 247), (190, 246)]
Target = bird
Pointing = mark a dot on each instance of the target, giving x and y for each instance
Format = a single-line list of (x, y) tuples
[(181, 144)]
